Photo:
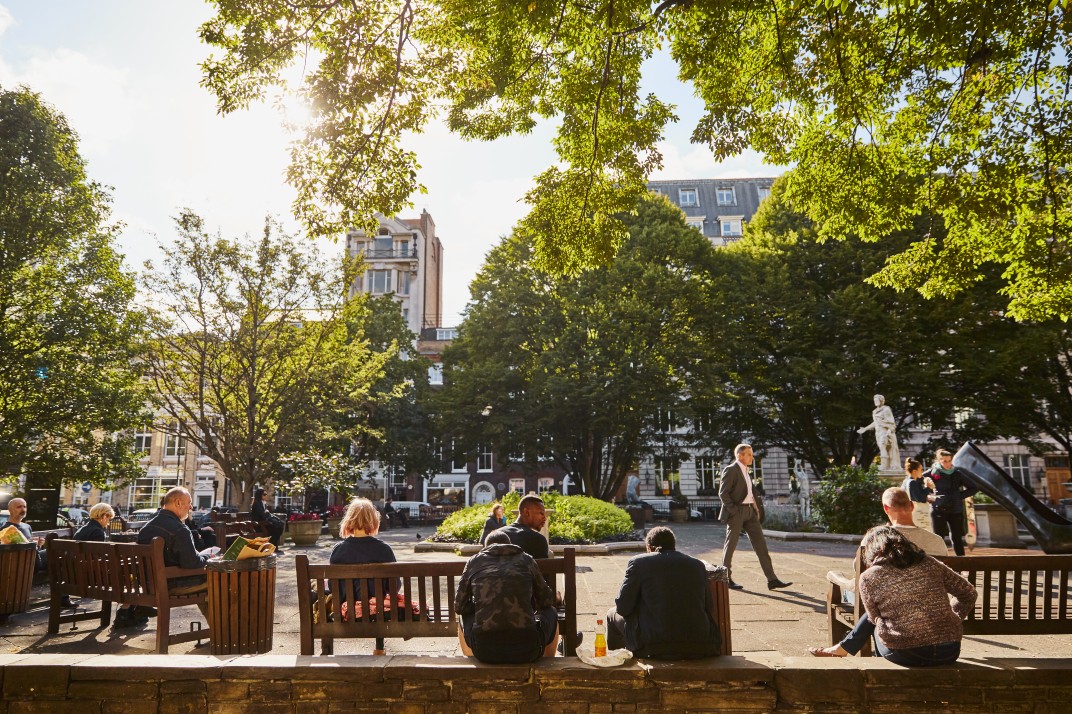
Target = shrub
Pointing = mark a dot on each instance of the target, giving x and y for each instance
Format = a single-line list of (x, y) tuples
[(849, 500), (577, 519)]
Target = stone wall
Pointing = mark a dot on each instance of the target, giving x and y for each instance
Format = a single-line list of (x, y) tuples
[(181, 684)]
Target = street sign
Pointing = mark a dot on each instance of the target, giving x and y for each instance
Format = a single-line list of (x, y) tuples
[(87, 487)]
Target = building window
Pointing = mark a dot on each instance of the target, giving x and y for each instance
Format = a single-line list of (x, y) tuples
[(517, 485), (174, 442), (696, 222), (764, 193), (435, 373), (403, 282), (143, 439), (1018, 466), (730, 226), (963, 418), (545, 484), (379, 281), (483, 459), (665, 421), (922, 423), (402, 248), (756, 469), (667, 471), (725, 197), (446, 333), (687, 197), (707, 471), (458, 463)]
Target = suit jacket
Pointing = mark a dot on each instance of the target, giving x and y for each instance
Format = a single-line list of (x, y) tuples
[(732, 490), (667, 610)]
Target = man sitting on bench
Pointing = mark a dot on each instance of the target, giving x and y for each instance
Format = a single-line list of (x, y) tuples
[(394, 515), (507, 609), (179, 549)]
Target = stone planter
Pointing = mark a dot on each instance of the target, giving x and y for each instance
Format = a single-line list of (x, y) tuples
[(678, 513), (996, 527), (333, 526), (304, 532)]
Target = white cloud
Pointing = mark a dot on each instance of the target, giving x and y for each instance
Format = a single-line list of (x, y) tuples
[(6, 19)]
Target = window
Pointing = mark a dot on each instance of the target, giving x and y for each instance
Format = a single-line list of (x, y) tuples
[(707, 472), (174, 442), (657, 190), (403, 282), (725, 197), (379, 281), (730, 226), (143, 439), (517, 485), (402, 248), (964, 417), (695, 222), (446, 333), (665, 422), (383, 247), (458, 463), (922, 423), (405, 316), (687, 197), (757, 469), (667, 469), (545, 484), (764, 193), (435, 373), (703, 422), (483, 458), (1018, 466)]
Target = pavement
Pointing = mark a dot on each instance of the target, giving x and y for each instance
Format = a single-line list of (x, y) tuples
[(784, 621)]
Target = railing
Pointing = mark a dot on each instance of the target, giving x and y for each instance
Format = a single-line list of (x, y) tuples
[(389, 253)]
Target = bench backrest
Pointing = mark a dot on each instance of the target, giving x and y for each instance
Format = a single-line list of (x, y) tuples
[(431, 586), (117, 572), (1018, 594)]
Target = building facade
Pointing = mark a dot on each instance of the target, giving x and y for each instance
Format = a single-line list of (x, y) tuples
[(718, 208)]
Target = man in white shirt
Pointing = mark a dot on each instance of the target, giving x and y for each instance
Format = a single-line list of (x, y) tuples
[(740, 511), (898, 507)]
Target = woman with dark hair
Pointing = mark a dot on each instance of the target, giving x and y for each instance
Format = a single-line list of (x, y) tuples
[(920, 490), (274, 524), (496, 520), (906, 595)]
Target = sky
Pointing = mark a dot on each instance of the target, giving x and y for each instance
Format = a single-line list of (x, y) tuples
[(126, 75)]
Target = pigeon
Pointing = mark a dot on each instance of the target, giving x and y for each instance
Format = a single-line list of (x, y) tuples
[(418, 536)]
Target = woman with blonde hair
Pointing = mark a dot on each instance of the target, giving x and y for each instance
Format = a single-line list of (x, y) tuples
[(96, 528), (496, 520), (359, 528)]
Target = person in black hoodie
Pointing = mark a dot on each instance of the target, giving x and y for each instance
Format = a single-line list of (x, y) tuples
[(663, 609), (275, 525), (950, 490)]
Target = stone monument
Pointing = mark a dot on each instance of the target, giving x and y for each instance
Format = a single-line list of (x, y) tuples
[(885, 427)]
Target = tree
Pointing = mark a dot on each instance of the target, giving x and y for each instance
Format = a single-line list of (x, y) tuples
[(252, 353), (809, 342), (891, 110), (70, 391), (574, 370)]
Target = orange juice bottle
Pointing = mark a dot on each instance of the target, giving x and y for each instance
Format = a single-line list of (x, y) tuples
[(601, 639)]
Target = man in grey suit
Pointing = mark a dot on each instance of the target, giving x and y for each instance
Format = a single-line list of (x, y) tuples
[(740, 511)]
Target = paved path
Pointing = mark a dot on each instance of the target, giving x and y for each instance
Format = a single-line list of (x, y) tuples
[(785, 621)]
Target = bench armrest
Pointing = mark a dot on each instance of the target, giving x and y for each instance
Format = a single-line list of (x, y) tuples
[(173, 571), (836, 578)]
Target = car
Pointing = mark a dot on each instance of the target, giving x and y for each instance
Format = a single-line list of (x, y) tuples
[(140, 517), (412, 508), (76, 514), (661, 508)]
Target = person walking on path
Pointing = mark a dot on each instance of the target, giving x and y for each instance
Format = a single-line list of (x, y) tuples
[(950, 490), (740, 511), (920, 490)]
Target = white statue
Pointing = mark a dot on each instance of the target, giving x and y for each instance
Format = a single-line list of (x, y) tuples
[(885, 427)]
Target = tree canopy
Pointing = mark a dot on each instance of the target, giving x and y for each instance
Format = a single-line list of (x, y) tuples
[(574, 370), (70, 390), (252, 352), (892, 110)]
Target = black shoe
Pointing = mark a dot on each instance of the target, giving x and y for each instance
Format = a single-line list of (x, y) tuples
[(562, 643), (123, 619), (735, 586), (141, 611), (279, 551), (66, 602), (776, 583)]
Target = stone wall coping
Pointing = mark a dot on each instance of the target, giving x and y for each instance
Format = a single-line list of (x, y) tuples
[(467, 549), (839, 674)]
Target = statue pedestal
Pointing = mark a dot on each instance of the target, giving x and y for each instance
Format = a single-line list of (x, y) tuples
[(892, 476)]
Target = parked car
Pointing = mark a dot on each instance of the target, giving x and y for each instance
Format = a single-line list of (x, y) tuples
[(661, 508), (412, 508), (140, 517), (76, 514)]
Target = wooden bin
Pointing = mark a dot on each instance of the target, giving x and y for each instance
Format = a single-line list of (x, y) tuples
[(241, 605), (16, 577)]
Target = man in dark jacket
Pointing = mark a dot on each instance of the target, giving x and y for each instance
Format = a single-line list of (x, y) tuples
[(179, 549), (663, 609), (507, 610), (950, 490)]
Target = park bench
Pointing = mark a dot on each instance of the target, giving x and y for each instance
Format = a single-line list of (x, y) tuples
[(227, 531), (432, 585), (1018, 595), (123, 573)]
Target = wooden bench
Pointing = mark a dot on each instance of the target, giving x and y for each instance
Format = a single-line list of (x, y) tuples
[(123, 573), (227, 531), (1018, 595), (433, 585), (16, 577)]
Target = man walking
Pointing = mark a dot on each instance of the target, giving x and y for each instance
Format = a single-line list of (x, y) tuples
[(740, 511)]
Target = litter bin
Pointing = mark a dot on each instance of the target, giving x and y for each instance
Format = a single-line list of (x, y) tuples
[(16, 577), (241, 605)]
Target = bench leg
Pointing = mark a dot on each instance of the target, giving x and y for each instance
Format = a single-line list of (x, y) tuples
[(106, 613), (327, 646), (55, 604), (163, 629)]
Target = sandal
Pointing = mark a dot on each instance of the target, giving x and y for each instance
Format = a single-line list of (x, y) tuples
[(824, 652)]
